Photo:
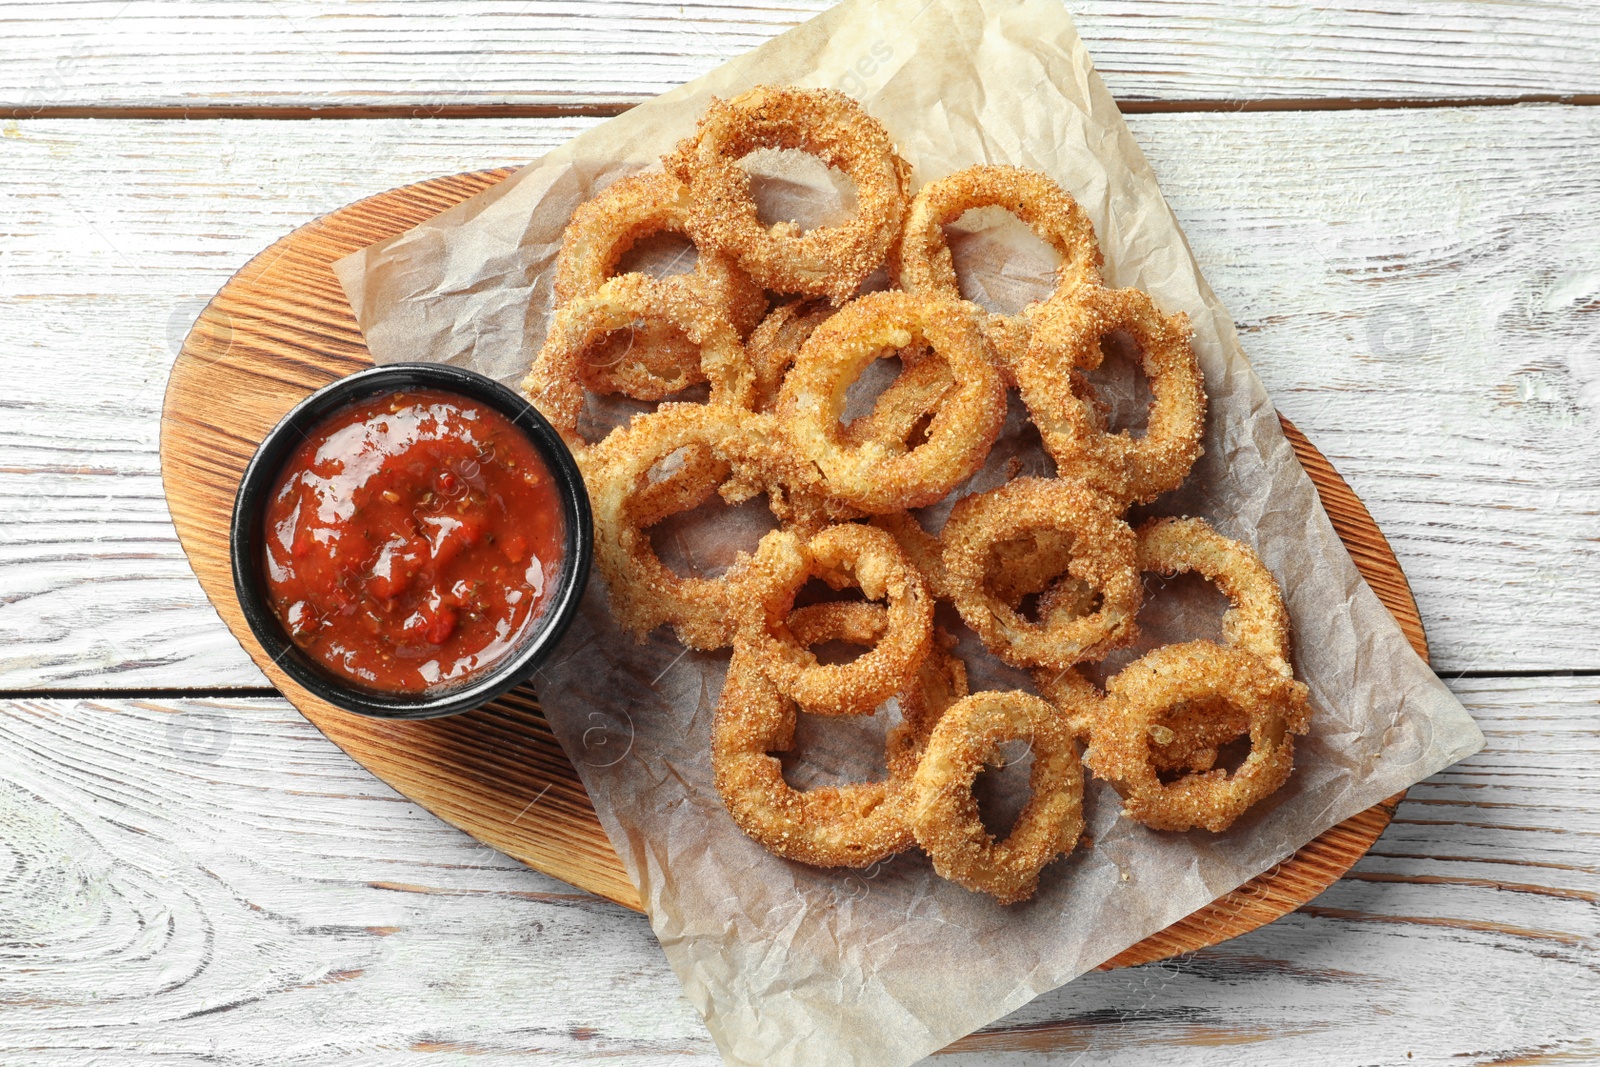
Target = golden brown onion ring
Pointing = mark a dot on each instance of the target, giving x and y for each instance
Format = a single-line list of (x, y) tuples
[(652, 363), (923, 263), (900, 412), (1066, 338), (1075, 698), (829, 261), (1184, 678), (1034, 564), (922, 549), (605, 227), (1256, 620), (775, 344), (903, 413), (855, 622), (835, 826), (843, 556), (875, 476), (1037, 564), (714, 442), (945, 816), (1190, 738), (1103, 557), (555, 384), (677, 483)]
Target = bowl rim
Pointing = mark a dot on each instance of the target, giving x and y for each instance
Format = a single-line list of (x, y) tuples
[(247, 536)]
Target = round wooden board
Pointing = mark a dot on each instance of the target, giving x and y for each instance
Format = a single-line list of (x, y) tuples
[(282, 328)]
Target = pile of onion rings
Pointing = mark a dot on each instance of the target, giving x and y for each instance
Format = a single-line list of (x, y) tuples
[(1045, 571)]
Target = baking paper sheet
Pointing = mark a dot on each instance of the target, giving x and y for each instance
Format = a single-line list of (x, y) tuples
[(793, 965)]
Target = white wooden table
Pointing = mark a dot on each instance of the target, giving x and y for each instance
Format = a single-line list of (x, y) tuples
[(1399, 201)]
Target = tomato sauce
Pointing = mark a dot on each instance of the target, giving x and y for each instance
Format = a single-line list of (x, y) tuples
[(412, 539)]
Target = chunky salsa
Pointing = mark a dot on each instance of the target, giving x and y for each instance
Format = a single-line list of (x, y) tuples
[(411, 539)]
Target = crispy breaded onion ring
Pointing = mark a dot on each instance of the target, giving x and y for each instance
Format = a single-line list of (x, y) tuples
[(922, 549), (874, 475), (1187, 679), (1037, 564), (903, 413), (605, 227), (1033, 564), (1102, 556), (829, 261), (1066, 338), (678, 482), (654, 362), (555, 384), (835, 826), (713, 443), (855, 622), (1256, 619), (842, 556), (1075, 698), (924, 263), (1190, 738), (775, 344), (945, 815)]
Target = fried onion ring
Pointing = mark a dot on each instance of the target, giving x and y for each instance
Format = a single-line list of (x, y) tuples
[(1190, 738), (679, 482), (903, 414), (875, 476), (829, 261), (945, 817), (656, 362), (775, 344), (1035, 564), (924, 264), (855, 622), (714, 442), (1066, 339), (1256, 620), (605, 227), (555, 383), (1023, 570), (924, 550), (834, 826), (1182, 679), (1075, 698), (842, 556), (1103, 555)]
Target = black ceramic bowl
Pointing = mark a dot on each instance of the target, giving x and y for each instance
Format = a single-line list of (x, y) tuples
[(249, 536)]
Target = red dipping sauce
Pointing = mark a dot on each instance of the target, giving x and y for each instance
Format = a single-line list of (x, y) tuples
[(411, 540)]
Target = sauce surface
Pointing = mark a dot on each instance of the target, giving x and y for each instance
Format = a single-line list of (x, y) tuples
[(410, 540)]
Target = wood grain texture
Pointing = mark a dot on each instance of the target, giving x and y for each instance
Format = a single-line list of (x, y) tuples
[(180, 879), (290, 331), (103, 268), (1424, 306), (428, 55)]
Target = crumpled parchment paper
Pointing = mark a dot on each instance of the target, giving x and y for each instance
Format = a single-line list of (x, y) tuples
[(794, 965)]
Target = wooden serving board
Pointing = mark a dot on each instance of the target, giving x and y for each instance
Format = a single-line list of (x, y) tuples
[(282, 328)]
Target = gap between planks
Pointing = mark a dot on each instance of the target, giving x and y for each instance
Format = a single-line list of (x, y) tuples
[(545, 111), (236, 692)]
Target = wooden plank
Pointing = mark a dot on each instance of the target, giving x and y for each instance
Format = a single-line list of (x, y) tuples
[(1426, 306), (1417, 288), (430, 54), (188, 874), (104, 266)]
